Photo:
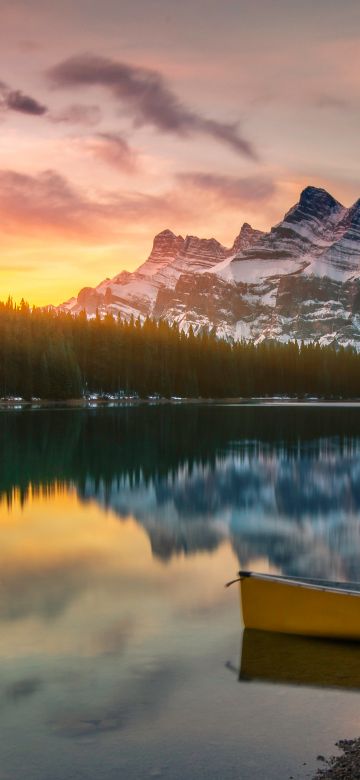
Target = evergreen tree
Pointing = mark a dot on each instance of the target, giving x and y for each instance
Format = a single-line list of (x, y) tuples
[(55, 355)]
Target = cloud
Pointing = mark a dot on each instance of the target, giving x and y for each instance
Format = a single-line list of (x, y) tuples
[(230, 190), (115, 151), (16, 100), (148, 99), (326, 100), (78, 114), (28, 45), (45, 199), (48, 204)]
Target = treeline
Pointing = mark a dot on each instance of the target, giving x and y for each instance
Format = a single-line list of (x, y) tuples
[(49, 355)]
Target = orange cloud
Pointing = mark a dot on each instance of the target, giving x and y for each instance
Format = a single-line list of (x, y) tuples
[(115, 151), (47, 204)]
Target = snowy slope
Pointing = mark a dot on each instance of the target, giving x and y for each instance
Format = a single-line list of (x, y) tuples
[(171, 257), (300, 280)]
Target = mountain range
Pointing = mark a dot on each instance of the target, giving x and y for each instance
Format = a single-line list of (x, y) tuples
[(300, 280)]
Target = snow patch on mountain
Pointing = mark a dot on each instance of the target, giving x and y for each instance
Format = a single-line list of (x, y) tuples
[(250, 272), (301, 280)]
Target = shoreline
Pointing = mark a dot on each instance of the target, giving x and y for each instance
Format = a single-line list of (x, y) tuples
[(344, 766), (80, 403), (92, 403)]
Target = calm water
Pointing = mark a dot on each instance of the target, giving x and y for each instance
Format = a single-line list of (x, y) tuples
[(120, 649)]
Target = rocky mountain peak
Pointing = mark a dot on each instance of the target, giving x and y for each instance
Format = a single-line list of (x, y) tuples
[(166, 245), (246, 238), (300, 280), (194, 242), (354, 211), (203, 250), (319, 200), (246, 229)]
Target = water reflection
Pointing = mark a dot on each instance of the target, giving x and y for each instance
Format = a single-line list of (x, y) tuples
[(118, 530), (295, 660), (282, 484), (98, 639)]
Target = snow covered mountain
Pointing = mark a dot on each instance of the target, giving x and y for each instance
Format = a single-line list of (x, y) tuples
[(300, 280)]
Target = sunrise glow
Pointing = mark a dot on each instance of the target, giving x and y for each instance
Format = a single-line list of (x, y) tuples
[(113, 130)]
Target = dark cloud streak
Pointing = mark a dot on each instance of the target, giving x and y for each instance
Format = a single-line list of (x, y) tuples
[(16, 100), (77, 114), (148, 98)]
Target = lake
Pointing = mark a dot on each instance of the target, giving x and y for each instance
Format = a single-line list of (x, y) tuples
[(120, 648)]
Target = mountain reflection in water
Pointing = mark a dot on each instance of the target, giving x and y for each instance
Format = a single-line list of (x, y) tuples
[(119, 528), (281, 484)]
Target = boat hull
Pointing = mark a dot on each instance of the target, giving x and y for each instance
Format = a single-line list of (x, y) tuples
[(274, 604)]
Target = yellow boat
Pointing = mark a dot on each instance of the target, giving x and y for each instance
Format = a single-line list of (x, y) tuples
[(298, 660), (291, 605)]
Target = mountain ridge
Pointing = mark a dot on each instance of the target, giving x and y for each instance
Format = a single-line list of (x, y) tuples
[(300, 280)]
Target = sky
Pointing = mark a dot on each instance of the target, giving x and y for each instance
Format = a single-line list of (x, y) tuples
[(120, 118)]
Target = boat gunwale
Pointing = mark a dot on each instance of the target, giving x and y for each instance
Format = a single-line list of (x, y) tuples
[(295, 582)]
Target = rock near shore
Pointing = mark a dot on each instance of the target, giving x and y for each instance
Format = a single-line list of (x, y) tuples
[(346, 766)]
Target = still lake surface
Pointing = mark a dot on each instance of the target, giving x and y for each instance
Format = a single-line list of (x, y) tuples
[(120, 649)]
